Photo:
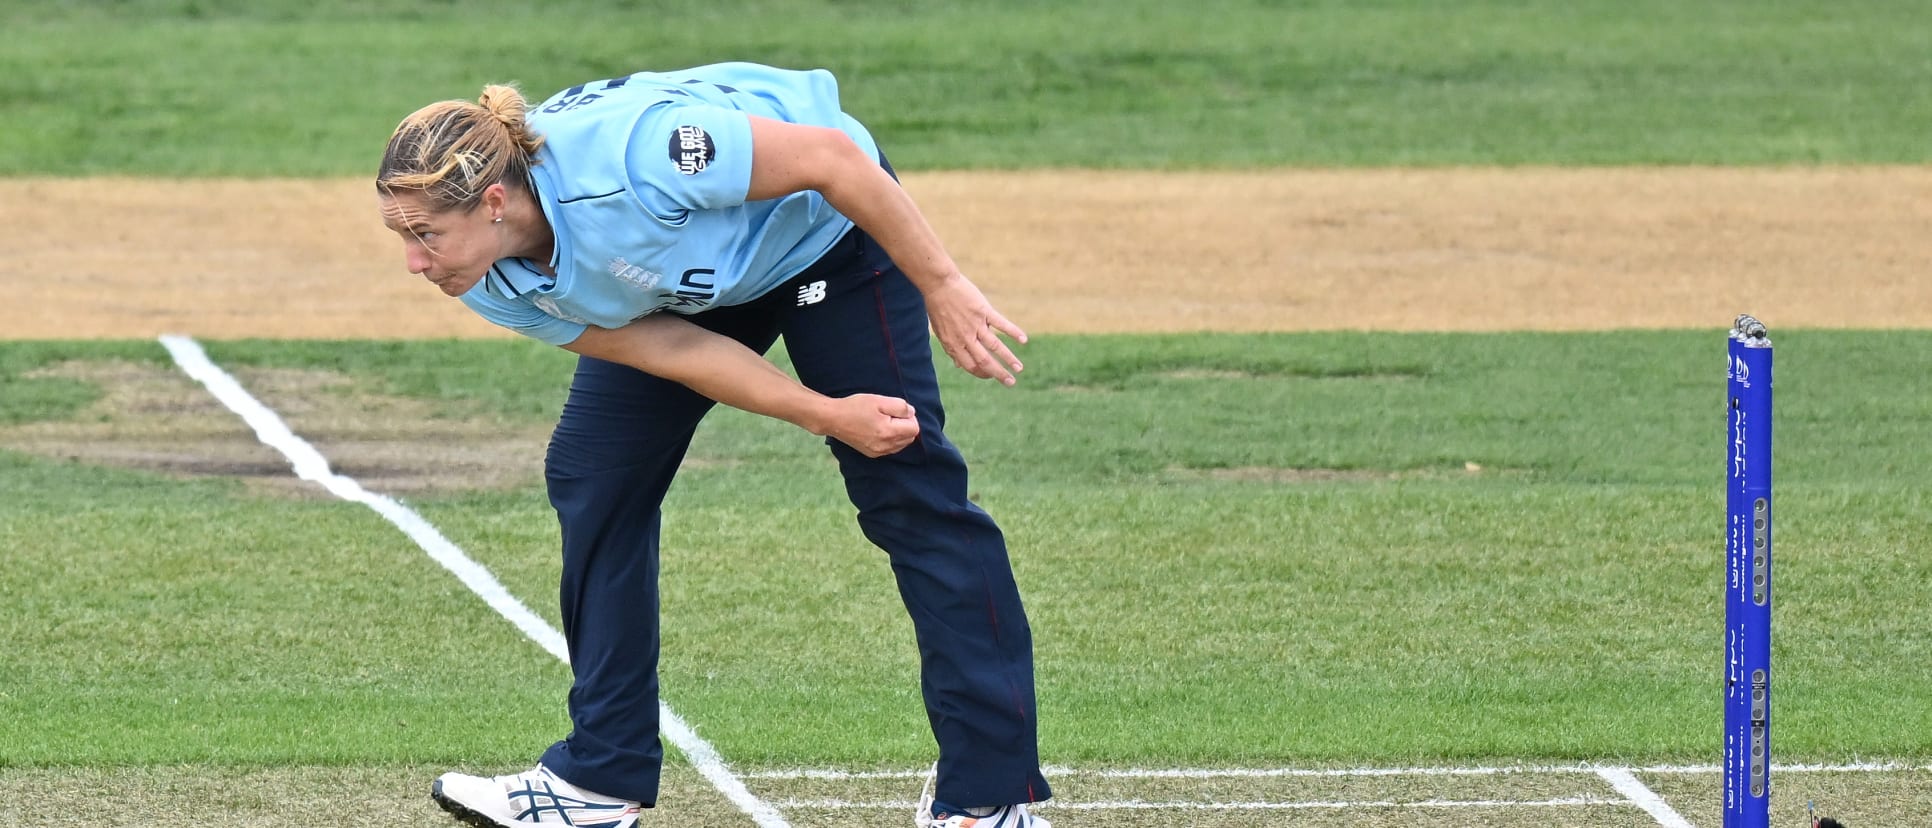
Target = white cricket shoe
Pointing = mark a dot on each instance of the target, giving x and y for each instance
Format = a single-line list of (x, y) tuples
[(533, 797), (931, 814)]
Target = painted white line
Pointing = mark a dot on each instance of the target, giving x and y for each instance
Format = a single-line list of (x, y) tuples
[(1142, 805), (1643, 797), (1855, 767), (835, 774), (839, 774), (1290, 806), (1223, 773), (309, 464), (1178, 773)]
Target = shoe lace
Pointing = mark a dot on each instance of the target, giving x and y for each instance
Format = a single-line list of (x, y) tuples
[(538, 788), (922, 812)]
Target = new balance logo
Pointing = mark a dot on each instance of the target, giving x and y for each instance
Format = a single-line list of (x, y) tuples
[(811, 294)]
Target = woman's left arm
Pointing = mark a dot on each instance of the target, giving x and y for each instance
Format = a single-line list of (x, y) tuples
[(790, 158)]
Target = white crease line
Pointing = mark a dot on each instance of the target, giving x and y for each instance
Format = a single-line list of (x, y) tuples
[(1175, 773), (1142, 805), (1226, 773), (1855, 767), (1643, 797), (1220, 773), (309, 464), (835, 774)]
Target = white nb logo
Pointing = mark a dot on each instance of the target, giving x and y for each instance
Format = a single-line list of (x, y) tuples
[(811, 294)]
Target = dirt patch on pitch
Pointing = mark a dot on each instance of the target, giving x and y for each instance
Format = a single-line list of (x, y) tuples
[(1079, 251), (1060, 252), (1287, 476), (154, 418)]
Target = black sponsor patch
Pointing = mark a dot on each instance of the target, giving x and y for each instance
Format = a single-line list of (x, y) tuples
[(692, 149)]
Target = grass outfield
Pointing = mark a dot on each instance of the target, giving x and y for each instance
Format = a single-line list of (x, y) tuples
[(284, 87), (1315, 551), (1238, 550)]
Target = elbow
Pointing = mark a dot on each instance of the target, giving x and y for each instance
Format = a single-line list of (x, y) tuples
[(836, 144), (834, 158), (792, 158)]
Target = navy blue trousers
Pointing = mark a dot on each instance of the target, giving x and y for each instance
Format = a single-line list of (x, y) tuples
[(616, 448)]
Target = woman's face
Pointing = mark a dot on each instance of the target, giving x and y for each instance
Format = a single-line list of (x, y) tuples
[(451, 248)]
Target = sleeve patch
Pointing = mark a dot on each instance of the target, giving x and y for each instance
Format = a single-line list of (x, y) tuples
[(692, 149)]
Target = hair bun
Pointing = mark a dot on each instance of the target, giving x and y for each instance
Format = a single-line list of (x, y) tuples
[(504, 103), (454, 150)]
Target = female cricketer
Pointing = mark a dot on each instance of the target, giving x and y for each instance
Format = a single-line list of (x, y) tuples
[(668, 228)]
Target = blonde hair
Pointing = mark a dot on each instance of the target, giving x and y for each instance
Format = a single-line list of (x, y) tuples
[(450, 151)]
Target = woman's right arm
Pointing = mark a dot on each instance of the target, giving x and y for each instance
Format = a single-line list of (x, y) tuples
[(723, 369)]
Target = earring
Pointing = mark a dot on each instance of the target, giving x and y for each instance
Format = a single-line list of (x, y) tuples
[(499, 220)]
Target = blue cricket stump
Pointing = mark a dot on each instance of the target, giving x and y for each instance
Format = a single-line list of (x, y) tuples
[(1747, 608)]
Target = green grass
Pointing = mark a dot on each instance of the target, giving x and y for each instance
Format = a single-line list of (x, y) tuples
[(24, 398), (279, 87), (151, 621), (1562, 604), (1196, 602)]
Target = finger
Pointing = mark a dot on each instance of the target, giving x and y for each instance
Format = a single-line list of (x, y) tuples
[(989, 367), (896, 408), (977, 350), (958, 355), (996, 347), (989, 351), (899, 435), (1006, 326), (967, 354)]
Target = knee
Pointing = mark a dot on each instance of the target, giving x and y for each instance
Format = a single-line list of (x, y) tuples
[(576, 452), (567, 458), (564, 463)]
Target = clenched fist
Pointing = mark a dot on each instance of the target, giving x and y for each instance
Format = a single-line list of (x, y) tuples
[(874, 425)]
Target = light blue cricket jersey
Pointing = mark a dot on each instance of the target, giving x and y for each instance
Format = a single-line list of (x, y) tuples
[(643, 179)]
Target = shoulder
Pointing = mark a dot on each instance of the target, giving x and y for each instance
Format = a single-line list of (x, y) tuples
[(497, 294), (493, 299), (698, 155)]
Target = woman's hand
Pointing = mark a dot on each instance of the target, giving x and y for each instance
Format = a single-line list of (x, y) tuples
[(790, 158), (968, 328), (873, 425)]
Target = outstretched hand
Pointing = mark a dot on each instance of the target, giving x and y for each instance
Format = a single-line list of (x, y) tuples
[(969, 329), (873, 425)]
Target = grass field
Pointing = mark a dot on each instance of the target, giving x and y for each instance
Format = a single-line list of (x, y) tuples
[(1251, 551), (280, 87), (1268, 570)]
